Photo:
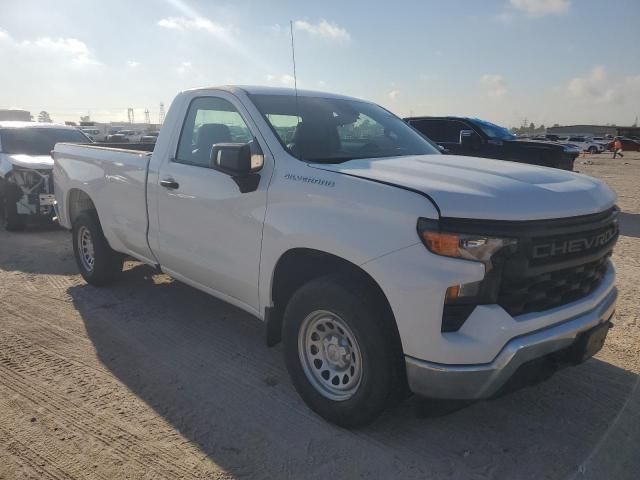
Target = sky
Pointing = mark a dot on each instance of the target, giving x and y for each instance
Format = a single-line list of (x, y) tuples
[(546, 61)]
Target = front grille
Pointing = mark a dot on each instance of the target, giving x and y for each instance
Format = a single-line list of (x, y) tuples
[(555, 262), (558, 265), (552, 289)]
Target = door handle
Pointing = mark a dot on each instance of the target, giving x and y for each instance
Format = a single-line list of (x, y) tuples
[(169, 183)]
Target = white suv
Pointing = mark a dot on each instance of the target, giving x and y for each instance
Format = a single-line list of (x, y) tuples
[(586, 144)]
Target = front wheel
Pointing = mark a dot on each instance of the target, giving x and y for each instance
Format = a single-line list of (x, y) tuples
[(98, 263), (339, 351)]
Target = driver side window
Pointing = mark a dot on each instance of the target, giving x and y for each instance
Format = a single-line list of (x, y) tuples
[(210, 120)]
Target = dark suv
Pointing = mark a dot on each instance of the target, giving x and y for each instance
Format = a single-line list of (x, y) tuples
[(479, 138)]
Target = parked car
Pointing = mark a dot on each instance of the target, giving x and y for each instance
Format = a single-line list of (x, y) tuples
[(380, 263), (150, 137), (117, 138), (585, 144), (92, 133), (479, 138), (26, 186), (628, 144), (124, 136)]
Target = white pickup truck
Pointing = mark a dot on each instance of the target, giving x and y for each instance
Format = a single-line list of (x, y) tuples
[(383, 265)]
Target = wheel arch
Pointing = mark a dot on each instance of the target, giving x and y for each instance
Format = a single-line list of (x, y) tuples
[(297, 266), (78, 201)]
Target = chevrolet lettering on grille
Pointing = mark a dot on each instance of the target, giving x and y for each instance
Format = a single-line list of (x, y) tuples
[(576, 245)]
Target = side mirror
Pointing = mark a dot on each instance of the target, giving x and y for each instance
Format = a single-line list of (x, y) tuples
[(469, 139), (236, 159), (239, 160)]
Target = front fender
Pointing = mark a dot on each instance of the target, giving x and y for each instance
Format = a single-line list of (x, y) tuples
[(351, 218)]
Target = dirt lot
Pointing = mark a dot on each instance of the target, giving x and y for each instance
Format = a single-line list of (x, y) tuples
[(153, 379)]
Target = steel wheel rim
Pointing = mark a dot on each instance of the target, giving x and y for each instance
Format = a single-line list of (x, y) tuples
[(330, 355), (86, 251)]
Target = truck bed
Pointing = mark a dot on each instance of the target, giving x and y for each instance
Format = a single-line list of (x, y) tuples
[(115, 178)]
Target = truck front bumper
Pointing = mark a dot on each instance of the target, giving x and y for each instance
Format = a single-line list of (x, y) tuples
[(436, 380)]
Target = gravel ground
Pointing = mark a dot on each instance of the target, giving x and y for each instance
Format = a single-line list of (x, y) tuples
[(153, 379)]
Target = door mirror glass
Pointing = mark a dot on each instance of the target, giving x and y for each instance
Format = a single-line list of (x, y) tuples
[(236, 159)]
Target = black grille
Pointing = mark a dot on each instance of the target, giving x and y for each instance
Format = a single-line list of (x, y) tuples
[(552, 289), (559, 264), (555, 262)]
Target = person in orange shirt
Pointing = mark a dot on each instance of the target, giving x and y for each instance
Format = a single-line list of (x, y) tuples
[(617, 148)]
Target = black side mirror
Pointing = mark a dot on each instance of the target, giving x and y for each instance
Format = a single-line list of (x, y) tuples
[(236, 159), (239, 160)]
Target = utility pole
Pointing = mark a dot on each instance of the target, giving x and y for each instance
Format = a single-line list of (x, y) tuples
[(161, 114), (147, 117)]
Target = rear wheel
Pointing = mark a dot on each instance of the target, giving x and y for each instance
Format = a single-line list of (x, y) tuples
[(98, 263), (339, 350)]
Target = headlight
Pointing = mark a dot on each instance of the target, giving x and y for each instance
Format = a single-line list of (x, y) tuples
[(461, 299), (479, 248)]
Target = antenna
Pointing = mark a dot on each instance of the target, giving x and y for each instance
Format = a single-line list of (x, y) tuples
[(295, 77)]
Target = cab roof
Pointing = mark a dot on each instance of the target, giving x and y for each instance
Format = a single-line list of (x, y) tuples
[(264, 90)]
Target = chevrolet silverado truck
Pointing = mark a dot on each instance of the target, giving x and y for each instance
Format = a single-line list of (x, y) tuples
[(382, 265), (26, 184), (479, 138)]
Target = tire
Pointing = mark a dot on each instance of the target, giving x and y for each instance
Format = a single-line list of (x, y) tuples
[(593, 150), (12, 221), (98, 263), (357, 348)]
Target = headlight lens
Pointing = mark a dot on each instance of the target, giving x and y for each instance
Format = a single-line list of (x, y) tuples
[(478, 248)]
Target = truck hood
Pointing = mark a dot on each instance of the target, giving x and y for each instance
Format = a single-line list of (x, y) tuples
[(480, 188), (30, 161)]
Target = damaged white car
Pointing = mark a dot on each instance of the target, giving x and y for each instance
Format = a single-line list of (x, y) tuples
[(26, 183)]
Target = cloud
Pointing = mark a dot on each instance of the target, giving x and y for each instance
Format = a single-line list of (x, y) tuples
[(284, 79), (494, 85), (597, 87), (195, 23), (287, 80), (225, 33), (184, 67), (132, 64), (323, 29), (64, 49), (393, 94), (541, 7)]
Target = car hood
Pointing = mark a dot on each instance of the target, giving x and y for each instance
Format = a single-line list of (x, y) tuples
[(480, 188), (30, 161)]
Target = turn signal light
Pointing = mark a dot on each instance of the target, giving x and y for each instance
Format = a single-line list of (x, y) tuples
[(446, 244)]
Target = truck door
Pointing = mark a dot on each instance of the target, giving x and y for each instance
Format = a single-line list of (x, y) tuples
[(444, 132), (209, 233)]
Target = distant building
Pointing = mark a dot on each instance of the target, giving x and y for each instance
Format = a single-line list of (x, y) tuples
[(15, 114), (595, 130)]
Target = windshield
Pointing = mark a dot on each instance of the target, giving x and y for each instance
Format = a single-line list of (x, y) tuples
[(331, 130), (493, 131), (37, 141)]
